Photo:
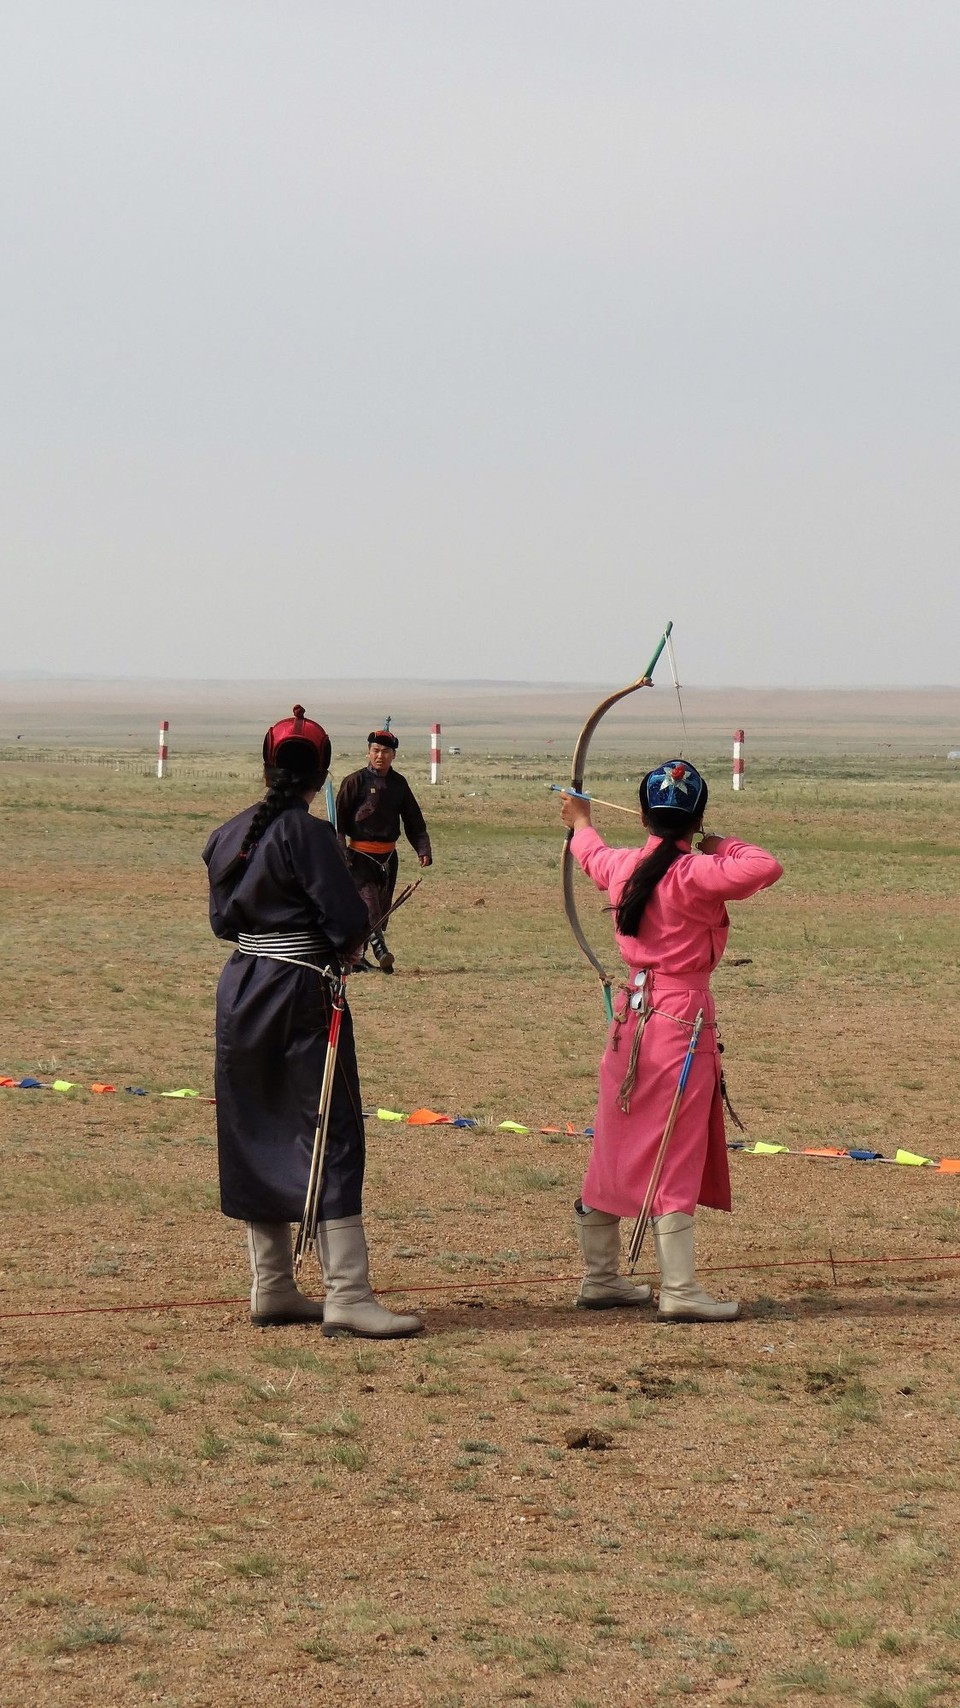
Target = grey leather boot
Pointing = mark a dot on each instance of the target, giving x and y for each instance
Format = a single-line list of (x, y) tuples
[(274, 1295), (350, 1306), (682, 1299), (603, 1288)]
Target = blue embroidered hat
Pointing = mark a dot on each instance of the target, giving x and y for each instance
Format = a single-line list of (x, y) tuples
[(674, 786)]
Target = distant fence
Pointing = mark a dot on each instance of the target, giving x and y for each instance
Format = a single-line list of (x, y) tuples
[(137, 765), (505, 768)]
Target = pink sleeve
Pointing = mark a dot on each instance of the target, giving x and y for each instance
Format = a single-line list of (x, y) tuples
[(598, 861), (736, 871)]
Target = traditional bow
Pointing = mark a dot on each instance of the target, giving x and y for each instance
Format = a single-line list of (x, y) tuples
[(578, 767)]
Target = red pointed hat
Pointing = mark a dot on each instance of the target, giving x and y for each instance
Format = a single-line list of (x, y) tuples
[(312, 750)]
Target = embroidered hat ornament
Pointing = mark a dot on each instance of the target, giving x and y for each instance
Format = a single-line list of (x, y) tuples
[(382, 738), (675, 787), (299, 745)]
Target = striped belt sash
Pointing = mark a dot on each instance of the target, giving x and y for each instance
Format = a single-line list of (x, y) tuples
[(290, 946)]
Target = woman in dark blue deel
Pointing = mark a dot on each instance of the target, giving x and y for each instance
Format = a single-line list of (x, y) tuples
[(280, 890)]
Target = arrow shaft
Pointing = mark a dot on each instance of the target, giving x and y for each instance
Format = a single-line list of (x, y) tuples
[(579, 795)]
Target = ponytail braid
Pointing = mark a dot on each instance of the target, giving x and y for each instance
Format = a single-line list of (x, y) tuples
[(675, 815), (284, 789), (643, 881)]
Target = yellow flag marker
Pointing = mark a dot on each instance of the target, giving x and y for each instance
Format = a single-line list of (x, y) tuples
[(389, 1115), (63, 1085), (512, 1127), (913, 1161), (762, 1149), (185, 1092)]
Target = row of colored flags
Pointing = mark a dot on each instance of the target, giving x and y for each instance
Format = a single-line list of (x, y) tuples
[(100, 1086), (433, 1118), (909, 1159)]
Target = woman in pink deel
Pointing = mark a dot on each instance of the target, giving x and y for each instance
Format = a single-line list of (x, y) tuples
[(669, 906)]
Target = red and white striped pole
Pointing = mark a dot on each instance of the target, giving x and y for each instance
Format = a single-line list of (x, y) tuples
[(163, 749), (435, 753), (738, 759)]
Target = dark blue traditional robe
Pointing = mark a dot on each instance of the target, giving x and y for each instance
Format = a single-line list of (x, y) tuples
[(273, 1021)]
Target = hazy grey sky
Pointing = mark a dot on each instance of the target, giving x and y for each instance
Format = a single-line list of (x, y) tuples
[(479, 337)]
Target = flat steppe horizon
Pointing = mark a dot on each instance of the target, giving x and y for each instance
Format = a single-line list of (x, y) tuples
[(224, 715)]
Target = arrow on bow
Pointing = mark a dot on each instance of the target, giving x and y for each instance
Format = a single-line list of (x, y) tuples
[(578, 767)]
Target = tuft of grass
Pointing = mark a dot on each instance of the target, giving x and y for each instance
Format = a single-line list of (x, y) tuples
[(537, 1656), (344, 1424), (813, 1678), (90, 1634), (552, 1564), (351, 1454), (319, 1648), (740, 1598), (254, 1566), (212, 1448), (923, 1695)]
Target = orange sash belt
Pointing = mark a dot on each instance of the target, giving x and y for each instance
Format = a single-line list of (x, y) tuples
[(380, 848)]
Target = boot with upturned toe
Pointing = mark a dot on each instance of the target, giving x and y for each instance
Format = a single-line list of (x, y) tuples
[(274, 1296), (351, 1307), (682, 1299), (378, 944), (603, 1288)]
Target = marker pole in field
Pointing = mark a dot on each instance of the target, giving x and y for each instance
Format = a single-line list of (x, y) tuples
[(163, 749), (435, 753), (738, 759)]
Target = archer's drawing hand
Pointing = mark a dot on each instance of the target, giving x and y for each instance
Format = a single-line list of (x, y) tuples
[(575, 813), (425, 859), (710, 844)]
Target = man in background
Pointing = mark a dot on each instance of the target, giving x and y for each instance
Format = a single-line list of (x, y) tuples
[(372, 804)]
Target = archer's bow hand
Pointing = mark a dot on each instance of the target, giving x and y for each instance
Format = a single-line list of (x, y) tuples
[(574, 812)]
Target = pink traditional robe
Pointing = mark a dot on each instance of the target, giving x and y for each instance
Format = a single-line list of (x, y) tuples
[(682, 936)]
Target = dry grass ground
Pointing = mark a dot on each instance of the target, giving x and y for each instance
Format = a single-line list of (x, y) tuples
[(198, 1513)]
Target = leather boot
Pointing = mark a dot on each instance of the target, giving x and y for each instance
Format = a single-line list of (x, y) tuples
[(274, 1296), (378, 944), (602, 1287), (350, 1306), (682, 1300)]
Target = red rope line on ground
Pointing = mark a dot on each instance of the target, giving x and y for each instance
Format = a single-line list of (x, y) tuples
[(488, 1285)]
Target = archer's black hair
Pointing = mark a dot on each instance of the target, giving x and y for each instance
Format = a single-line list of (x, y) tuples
[(284, 788), (672, 826)]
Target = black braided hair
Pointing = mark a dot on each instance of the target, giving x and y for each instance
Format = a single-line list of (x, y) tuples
[(284, 787), (644, 879), (672, 826)]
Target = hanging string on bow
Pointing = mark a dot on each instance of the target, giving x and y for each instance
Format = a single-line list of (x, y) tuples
[(672, 661)]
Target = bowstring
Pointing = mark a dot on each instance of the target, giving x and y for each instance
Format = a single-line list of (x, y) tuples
[(671, 658)]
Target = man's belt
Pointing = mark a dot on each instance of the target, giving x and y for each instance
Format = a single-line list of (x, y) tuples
[(381, 849)]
